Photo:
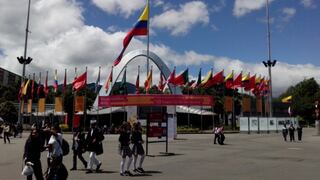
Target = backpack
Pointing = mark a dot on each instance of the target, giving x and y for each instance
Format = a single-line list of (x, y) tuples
[(65, 147)]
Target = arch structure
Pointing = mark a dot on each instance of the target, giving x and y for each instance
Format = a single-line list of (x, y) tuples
[(130, 57)]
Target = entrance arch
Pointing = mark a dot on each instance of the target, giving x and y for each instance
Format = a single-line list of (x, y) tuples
[(130, 57)]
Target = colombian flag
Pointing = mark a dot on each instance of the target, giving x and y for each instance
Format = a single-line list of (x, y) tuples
[(140, 29), (55, 82)]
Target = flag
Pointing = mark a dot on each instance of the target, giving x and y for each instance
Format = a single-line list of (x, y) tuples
[(148, 82), (32, 86), (207, 78), (216, 79), (21, 89), (140, 29), (229, 80), (109, 81), (55, 82), (123, 85), (97, 82), (172, 76), (182, 79), (161, 84), (40, 86), (80, 82), (237, 82), (46, 88), (138, 81), (25, 88), (245, 81), (65, 81), (197, 83), (287, 99)]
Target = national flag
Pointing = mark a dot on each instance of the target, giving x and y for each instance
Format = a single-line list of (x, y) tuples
[(252, 83), (25, 88), (207, 78), (55, 82), (287, 99), (40, 86), (197, 83), (109, 81), (216, 79), (138, 81), (97, 82), (80, 82), (21, 89), (237, 82), (140, 29), (123, 85), (245, 81), (46, 88), (229, 81), (162, 83), (172, 76), (32, 85), (148, 82), (65, 81), (182, 79)]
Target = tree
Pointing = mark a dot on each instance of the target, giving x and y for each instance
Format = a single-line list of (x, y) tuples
[(8, 112)]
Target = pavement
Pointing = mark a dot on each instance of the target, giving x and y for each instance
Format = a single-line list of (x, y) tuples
[(244, 157)]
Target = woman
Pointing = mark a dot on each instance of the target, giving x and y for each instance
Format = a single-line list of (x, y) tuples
[(125, 151), (137, 149), (78, 148), (32, 153), (6, 133)]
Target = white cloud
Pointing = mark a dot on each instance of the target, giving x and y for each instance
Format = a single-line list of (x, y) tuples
[(243, 7), (309, 3), (288, 14), (72, 44), (180, 21), (123, 7), (219, 6)]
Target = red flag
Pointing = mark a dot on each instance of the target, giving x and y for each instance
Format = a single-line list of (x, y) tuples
[(109, 81), (216, 79), (65, 81), (80, 82), (182, 78), (46, 88), (161, 84), (237, 82), (172, 76), (32, 86), (252, 83)]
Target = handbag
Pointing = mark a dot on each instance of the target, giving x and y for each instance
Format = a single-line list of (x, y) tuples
[(27, 170)]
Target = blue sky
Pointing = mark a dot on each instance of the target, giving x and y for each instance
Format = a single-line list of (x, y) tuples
[(219, 34)]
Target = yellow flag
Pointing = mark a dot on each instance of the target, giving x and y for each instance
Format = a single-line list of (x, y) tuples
[(25, 88), (286, 99), (207, 78)]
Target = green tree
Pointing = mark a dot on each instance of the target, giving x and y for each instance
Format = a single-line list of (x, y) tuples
[(8, 112)]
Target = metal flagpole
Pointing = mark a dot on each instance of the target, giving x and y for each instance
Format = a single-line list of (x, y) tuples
[(148, 38), (85, 102)]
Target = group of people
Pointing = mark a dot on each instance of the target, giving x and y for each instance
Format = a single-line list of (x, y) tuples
[(291, 131), (50, 138), (8, 130)]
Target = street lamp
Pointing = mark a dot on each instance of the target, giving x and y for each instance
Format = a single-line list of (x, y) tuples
[(23, 59), (269, 64)]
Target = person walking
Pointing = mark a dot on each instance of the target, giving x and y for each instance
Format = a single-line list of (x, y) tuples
[(57, 170), (6, 133), (284, 132), (291, 132), (32, 153), (137, 149), (124, 149), (299, 130), (215, 131), (94, 146), (78, 148)]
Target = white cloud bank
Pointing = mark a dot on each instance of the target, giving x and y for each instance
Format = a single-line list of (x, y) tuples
[(180, 21), (243, 7), (60, 39)]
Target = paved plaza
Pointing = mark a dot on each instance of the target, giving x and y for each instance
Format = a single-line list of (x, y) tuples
[(244, 157)]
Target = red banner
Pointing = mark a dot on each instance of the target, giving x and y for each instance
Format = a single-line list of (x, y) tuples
[(154, 100), (155, 131)]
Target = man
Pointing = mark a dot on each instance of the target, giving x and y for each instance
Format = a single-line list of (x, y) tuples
[(94, 146), (78, 148)]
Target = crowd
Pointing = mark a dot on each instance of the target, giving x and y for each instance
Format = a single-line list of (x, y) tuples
[(51, 139), (291, 131)]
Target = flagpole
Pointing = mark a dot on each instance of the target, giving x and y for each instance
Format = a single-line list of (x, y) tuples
[(148, 38), (96, 89), (233, 118), (64, 93), (74, 101), (111, 95)]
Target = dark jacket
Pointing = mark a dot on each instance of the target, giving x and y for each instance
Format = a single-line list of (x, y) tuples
[(94, 146), (33, 149), (81, 142), (136, 137), (124, 138)]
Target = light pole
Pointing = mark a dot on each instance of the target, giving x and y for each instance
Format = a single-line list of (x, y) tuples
[(24, 60), (270, 63)]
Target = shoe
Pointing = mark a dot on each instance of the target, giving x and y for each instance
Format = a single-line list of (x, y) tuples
[(73, 169), (128, 173), (141, 170), (136, 171), (122, 174), (85, 165), (89, 172), (98, 167)]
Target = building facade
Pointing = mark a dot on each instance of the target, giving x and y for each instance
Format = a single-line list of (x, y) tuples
[(8, 78)]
